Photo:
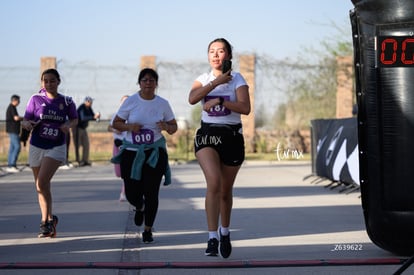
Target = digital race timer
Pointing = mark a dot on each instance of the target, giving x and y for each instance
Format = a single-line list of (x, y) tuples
[(395, 51), (383, 39)]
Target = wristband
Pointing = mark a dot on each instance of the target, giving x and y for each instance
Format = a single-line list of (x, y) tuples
[(221, 100)]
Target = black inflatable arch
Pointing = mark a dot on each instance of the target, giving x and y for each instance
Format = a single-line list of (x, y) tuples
[(383, 38)]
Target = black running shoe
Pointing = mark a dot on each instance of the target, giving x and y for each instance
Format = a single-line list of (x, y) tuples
[(147, 237), (53, 224), (212, 247), (46, 230), (225, 246)]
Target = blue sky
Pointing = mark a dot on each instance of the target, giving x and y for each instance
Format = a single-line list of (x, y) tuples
[(115, 34), (121, 31)]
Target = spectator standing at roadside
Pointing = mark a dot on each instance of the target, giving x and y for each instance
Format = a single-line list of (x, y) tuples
[(13, 130), (80, 133)]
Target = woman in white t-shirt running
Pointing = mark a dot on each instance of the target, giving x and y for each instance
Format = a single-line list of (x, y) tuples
[(143, 155), (219, 143)]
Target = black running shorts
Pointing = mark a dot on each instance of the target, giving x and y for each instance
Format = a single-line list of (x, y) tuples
[(226, 139)]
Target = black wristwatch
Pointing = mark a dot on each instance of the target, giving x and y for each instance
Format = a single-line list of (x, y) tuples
[(221, 100)]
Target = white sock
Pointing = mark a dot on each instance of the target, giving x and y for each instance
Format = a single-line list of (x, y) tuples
[(212, 235), (224, 231)]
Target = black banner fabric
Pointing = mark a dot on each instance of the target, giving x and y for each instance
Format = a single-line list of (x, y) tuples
[(336, 143)]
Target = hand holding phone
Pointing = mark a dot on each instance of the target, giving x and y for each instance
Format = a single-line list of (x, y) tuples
[(226, 66)]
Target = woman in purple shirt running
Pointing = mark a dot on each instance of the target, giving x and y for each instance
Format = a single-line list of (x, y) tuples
[(49, 115)]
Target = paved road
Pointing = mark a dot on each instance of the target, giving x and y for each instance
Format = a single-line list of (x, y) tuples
[(282, 223)]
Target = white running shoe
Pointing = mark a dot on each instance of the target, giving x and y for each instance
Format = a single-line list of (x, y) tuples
[(12, 170), (122, 197)]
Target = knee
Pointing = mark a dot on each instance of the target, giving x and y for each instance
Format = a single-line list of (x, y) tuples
[(40, 189), (41, 186), (225, 196), (213, 189), (133, 199)]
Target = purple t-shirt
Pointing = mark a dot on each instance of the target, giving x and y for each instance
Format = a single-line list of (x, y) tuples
[(51, 113)]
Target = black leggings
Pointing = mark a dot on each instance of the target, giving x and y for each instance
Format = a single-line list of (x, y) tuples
[(147, 189)]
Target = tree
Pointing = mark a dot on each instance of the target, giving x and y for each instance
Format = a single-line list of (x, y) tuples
[(311, 92)]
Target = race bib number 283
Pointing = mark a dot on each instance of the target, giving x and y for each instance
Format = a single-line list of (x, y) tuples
[(49, 131)]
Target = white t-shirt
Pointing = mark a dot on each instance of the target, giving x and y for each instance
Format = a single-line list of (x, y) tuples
[(220, 114), (147, 113)]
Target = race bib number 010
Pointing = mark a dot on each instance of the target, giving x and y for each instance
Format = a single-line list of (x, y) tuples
[(144, 136)]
